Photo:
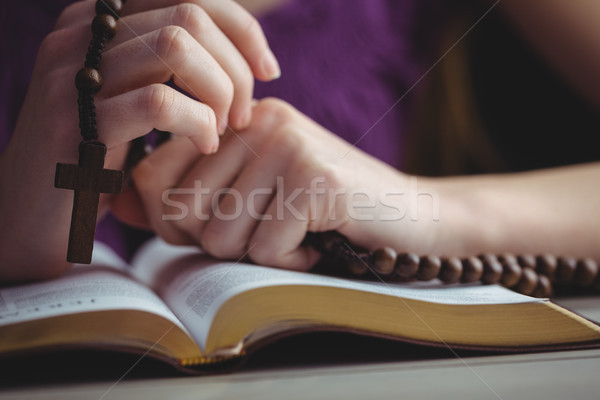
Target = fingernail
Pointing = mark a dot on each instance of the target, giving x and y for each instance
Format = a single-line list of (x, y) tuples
[(214, 149), (221, 127), (271, 67), (245, 119)]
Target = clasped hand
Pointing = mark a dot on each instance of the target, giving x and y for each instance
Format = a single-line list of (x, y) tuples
[(266, 187), (213, 51)]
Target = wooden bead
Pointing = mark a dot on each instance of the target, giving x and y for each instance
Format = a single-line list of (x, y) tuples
[(104, 24), (565, 269), (472, 269), (384, 260), (89, 79), (407, 265), (451, 270), (527, 261), (357, 267), (111, 7), (492, 269), (585, 272), (546, 264), (528, 282), (543, 288), (429, 268), (511, 273), (508, 258)]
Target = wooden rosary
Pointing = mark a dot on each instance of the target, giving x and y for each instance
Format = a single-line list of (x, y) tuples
[(89, 178), (526, 274)]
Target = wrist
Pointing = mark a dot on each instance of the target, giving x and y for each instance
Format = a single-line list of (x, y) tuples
[(474, 218)]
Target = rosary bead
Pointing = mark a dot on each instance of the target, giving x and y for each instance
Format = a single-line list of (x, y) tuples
[(508, 258), (528, 282), (527, 261), (511, 273), (585, 272), (384, 260), (88, 79), (451, 270), (546, 264), (407, 265), (492, 269), (472, 269), (104, 24), (111, 7), (566, 269), (543, 288), (429, 268), (357, 267)]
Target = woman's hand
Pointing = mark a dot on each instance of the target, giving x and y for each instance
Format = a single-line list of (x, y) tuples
[(284, 176), (269, 185), (211, 49)]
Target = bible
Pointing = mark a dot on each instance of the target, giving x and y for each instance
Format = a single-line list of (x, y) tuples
[(180, 306)]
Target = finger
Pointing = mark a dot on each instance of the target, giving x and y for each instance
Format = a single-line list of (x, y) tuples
[(235, 215), (278, 241), (208, 177), (202, 28), (154, 176), (133, 114), (128, 207), (169, 52), (239, 26), (79, 13)]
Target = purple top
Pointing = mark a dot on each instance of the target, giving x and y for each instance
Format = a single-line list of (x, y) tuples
[(346, 64)]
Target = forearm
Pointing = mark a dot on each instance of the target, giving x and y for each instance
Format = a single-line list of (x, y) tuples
[(554, 210), (567, 34)]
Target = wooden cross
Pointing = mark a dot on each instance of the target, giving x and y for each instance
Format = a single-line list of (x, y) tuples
[(88, 179)]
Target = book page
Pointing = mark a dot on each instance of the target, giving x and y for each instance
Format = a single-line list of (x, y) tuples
[(85, 288), (197, 285)]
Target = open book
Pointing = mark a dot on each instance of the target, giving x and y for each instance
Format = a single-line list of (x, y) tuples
[(178, 305)]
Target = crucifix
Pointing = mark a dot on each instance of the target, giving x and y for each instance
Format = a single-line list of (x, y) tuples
[(88, 179)]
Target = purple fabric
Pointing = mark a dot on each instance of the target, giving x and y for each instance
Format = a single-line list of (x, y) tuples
[(346, 64)]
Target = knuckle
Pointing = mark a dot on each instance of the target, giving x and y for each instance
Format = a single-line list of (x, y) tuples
[(273, 112), (285, 142), (334, 176), (192, 17), (171, 43), (158, 102), (251, 26), (207, 117)]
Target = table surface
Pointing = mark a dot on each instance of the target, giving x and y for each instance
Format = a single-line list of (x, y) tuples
[(553, 375)]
